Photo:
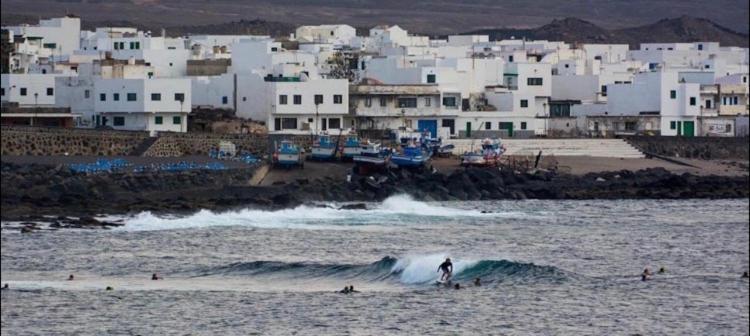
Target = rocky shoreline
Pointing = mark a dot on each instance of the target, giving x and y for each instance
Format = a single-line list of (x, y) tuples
[(41, 193)]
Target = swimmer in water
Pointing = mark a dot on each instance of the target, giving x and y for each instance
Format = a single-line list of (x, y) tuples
[(477, 282), (345, 290), (70, 277), (155, 277), (5, 286), (646, 275), (744, 275), (351, 290), (457, 286), (662, 270), (447, 268)]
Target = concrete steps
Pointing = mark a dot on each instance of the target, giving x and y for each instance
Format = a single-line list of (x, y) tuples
[(613, 148)]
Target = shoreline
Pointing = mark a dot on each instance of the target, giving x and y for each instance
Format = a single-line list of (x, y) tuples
[(31, 191)]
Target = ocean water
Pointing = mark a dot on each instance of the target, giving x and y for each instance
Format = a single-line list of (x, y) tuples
[(547, 268)]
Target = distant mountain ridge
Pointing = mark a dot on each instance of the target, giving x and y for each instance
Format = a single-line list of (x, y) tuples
[(573, 30), (570, 30)]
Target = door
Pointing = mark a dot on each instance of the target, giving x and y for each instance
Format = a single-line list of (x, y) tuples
[(468, 129), (508, 126), (428, 126), (689, 128), (679, 128)]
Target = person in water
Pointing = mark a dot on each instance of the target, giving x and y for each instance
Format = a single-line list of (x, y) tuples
[(745, 275), (70, 277), (662, 270), (5, 286), (447, 268), (345, 290), (477, 282), (646, 275), (155, 277), (457, 286), (351, 290)]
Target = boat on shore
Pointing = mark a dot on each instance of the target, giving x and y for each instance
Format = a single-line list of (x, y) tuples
[(371, 157), (411, 156), (287, 155), (488, 155), (323, 148), (351, 148)]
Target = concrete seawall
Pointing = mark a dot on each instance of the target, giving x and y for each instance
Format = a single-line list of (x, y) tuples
[(706, 148)]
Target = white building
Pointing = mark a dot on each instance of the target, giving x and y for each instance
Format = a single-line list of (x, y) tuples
[(60, 35), (28, 90)]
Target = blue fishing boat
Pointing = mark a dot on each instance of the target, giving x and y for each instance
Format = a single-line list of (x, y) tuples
[(323, 148), (411, 156), (351, 147), (287, 155)]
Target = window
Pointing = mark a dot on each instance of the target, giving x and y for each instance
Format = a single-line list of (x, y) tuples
[(567, 66), (708, 103), (488, 125), (177, 120), (449, 101), (630, 126), (138, 45), (2, 91), (383, 102), (23, 91), (334, 123), (672, 125), (524, 103), (427, 101), (50, 45), (673, 94), (707, 66), (225, 100), (288, 123), (132, 96), (604, 90), (338, 99), (102, 97), (728, 129), (180, 97), (132, 45), (736, 100), (86, 94), (282, 99), (431, 78), (150, 74), (510, 59), (156, 97), (700, 47), (451, 124), (534, 81), (170, 63), (50, 91), (368, 101), (277, 124), (318, 99), (118, 121), (407, 102), (692, 101), (158, 120), (297, 99), (116, 96), (523, 125), (117, 46)]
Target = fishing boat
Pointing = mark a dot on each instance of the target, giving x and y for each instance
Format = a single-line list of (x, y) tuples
[(287, 155), (411, 156), (488, 155), (352, 147), (372, 155), (323, 148), (445, 150)]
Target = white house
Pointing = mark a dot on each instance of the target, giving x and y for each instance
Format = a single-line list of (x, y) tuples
[(60, 35), (157, 104), (29, 89)]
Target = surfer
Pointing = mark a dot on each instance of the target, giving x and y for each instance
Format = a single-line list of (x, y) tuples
[(477, 282), (5, 286), (457, 286), (345, 290), (662, 270), (447, 268), (745, 275), (351, 289), (155, 277)]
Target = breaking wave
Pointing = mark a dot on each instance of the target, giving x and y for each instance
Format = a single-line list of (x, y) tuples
[(394, 210), (416, 270)]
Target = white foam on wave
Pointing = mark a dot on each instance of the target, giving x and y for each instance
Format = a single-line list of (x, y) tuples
[(395, 209), (419, 269)]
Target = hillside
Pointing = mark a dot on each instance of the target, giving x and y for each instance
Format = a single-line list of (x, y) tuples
[(682, 29), (418, 16)]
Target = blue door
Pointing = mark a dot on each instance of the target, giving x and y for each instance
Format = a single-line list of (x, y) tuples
[(429, 126)]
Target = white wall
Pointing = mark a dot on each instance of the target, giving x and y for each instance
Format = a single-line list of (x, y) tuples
[(35, 85)]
